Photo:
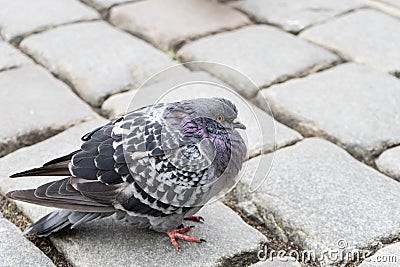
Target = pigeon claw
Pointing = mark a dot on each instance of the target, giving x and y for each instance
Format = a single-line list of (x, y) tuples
[(178, 234), (195, 218)]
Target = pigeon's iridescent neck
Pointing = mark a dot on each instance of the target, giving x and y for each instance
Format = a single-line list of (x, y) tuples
[(192, 128), (201, 128)]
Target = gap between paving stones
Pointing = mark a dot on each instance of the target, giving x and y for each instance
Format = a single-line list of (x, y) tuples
[(304, 73), (383, 7), (376, 158), (313, 131), (59, 77), (165, 33), (267, 151), (15, 216), (285, 78), (175, 47), (332, 18), (274, 242), (105, 12), (179, 45), (9, 68), (376, 246), (242, 259), (254, 19), (262, 220), (121, 89), (31, 138), (312, 69), (343, 55), (97, 109), (18, 39)]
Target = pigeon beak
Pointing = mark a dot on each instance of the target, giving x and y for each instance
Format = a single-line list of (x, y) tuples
[(239, 125)]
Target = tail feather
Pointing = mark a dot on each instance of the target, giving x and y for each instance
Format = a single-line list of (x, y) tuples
[(55, 167), (30, 197), (44, 171), (61, 219)]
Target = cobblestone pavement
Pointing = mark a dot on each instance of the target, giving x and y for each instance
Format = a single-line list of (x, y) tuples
[(329, 70)]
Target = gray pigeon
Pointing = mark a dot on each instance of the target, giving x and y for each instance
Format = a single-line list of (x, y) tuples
[(154, 167)]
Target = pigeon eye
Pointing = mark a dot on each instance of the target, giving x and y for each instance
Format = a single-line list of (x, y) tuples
[(220, 118)]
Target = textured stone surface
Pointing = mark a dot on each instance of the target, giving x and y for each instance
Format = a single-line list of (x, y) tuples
[(15, 250), (388, 256), (391, 7), (294, 16), (358, 108), (389, 162), (260, 132), (316, 194), (20, 17), (95, 58), (11, 57), (33, 103), (278, 262), (395, 3), (359, 36), (251, 51), (167, 23), (104, 4)]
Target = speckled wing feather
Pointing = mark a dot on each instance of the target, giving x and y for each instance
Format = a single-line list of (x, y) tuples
[(164, 163), (139, 163)]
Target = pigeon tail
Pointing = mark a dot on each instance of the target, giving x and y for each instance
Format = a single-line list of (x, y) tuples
[(55, 167), (61, 219)]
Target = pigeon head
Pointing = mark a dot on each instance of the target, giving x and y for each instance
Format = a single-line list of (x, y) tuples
[(212, 122), (210, 117)]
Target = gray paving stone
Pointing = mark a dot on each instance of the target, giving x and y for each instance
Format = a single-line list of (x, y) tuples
[(119, 103), (34, 105), (388, 256), (278, 262), (176, 21), (317, 194), (354, 109), (95, 58), (122, 245), (15, 250), (21, 17), (388, 162), (395, 3), (11, 57), (104, 4), (251, 51), (294, 16), (359, 36), (392, 7), (255, 119)]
